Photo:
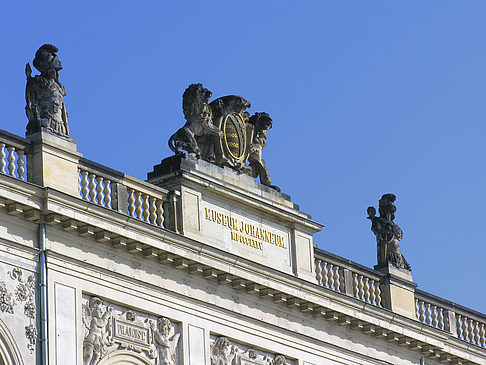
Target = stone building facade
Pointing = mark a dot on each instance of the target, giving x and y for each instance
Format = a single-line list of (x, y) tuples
[(197, 265)]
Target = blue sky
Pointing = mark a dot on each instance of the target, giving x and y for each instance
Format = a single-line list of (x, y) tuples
[(367, 97)]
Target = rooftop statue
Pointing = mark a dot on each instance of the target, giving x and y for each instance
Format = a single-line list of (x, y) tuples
[(199, 124), (223, 133), (44, 94), (387, 233), (262, 123)]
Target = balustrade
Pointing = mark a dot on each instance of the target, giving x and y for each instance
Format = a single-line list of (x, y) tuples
[(344, 276), (329, 275), (145, 207), (114, 190), (153, 205), (470, 330), (366, 289), (13, 154), (432, 314), (465, 324), (96, 189)]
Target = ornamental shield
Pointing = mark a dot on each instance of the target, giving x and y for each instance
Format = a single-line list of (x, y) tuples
[(229, 116)]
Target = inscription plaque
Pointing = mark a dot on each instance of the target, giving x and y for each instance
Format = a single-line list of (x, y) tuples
[(129, 332), (245, 234)]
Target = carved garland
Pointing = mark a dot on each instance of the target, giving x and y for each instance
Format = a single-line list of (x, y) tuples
[(24, 293), (224, 352)]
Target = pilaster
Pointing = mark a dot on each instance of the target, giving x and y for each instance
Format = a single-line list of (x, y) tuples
[(54, 162), (398, 290)]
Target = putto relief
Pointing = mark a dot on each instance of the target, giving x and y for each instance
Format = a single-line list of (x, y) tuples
[(110, 328), (96, 318), (226, 352), (222, 132), (165, 342)]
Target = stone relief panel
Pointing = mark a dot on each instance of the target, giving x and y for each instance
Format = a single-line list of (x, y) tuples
[(17, 296), (109, 329), (226, 352)]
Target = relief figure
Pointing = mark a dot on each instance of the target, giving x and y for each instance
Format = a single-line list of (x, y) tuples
[(97, 323), (222, 352), (165, 343)]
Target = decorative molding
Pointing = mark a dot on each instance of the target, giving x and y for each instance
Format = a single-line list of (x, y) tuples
[(7, 300), (226, 352), (110, 329), (315, 302), (24, 293), (9, 351)]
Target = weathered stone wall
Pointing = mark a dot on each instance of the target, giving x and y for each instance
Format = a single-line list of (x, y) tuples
[(19, 315), (145, 274)]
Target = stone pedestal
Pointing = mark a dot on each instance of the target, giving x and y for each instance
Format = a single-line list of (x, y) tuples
[(231, 211), (398, 290), (53, 162)]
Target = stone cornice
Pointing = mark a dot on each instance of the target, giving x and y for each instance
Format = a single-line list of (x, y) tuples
[(245, 198)]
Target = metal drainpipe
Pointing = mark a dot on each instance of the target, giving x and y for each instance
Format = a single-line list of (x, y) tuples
[(43, 295)]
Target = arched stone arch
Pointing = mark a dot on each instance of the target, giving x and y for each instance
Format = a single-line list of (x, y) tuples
[(9, 352), (123, 358)]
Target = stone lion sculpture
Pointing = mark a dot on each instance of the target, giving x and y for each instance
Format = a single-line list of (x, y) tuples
[(199, 123)]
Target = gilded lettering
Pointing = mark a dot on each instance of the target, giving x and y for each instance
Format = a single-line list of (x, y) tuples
[(255, 236)]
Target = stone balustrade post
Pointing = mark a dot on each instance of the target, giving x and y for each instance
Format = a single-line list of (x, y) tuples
[(54, 162), (348, 282), (450, 322), (398, 291), (172, 211), (120, 202)]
